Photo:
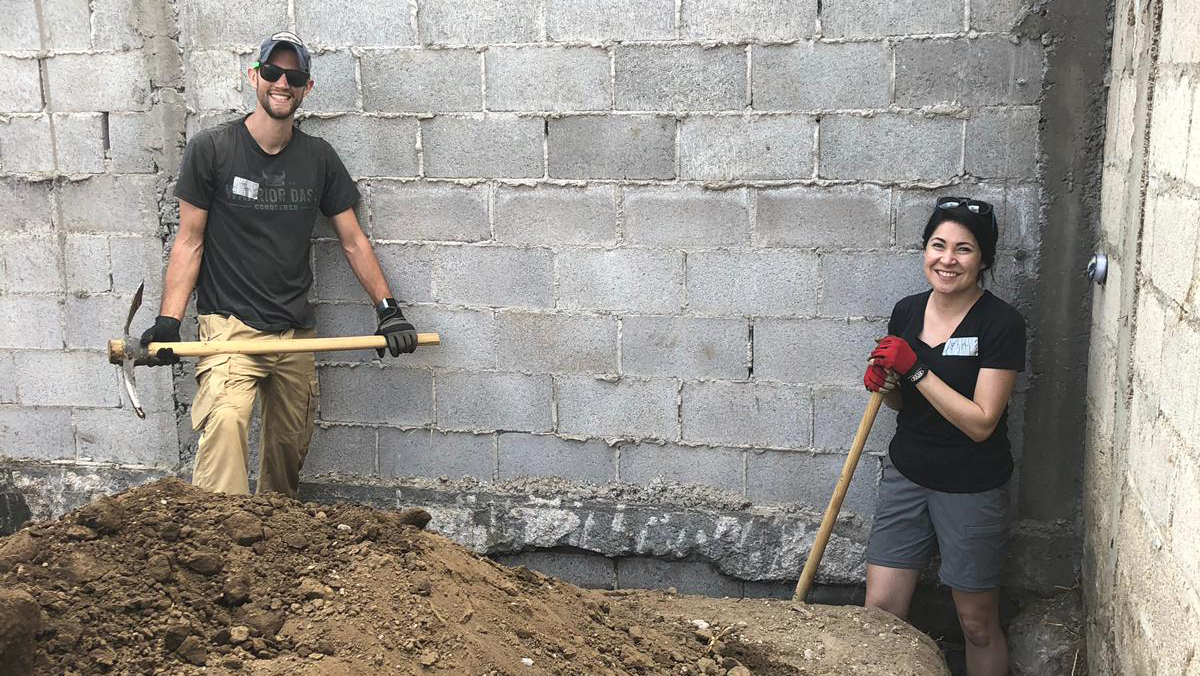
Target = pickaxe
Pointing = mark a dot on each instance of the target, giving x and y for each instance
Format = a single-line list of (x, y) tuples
[(129, 352)]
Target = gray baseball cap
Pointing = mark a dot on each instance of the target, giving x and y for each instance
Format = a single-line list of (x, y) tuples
[(292, 41)]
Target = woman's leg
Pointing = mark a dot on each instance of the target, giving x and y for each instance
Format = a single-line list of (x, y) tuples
[(891, 589), (979, 616)]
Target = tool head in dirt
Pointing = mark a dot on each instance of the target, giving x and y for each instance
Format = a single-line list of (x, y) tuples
[(128, 352)]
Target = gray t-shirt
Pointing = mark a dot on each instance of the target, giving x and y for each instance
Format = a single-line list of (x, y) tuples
[(261, 212)]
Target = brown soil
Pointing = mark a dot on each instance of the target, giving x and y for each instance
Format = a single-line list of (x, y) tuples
[(169, 579)]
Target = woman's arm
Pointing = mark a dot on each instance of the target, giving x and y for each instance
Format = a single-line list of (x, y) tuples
[(976, 417)]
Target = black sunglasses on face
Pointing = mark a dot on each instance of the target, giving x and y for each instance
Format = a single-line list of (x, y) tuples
[(271, 73), (974, 206)]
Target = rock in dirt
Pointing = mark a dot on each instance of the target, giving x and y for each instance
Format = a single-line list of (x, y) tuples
[(18, 549), (20, 620), (104, 516), (205, 563), (414, 516), (193, 650), (243, 528)]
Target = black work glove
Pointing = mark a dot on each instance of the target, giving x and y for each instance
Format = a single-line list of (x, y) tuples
[(401, 335), (165, 330)]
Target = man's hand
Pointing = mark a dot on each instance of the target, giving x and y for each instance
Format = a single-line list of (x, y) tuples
[(401, 335), (165, 330)]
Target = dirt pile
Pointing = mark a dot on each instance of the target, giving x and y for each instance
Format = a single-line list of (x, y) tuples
[(169, 579)]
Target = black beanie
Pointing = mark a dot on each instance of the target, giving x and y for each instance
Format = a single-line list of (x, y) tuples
[(982, 226)]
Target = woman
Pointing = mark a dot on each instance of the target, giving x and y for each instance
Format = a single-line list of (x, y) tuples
[(955, 351)]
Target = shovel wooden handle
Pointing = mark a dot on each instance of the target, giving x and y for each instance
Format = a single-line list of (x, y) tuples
[(281, 346), (835, 502)]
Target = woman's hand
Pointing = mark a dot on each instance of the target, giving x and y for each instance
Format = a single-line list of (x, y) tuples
[(893, 352), (879, 379)]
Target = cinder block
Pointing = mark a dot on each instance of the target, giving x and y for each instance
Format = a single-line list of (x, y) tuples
[(120, 436), (830, 352), (494, 276), (214, 80), (988, 70), (130, 204), (468, 338), (79, 142), (814, 76), (659, 77), (494, 401), (56, 378), (626, 146), (863, 18), (335, 83), (626, 408), (93, 320), (120, 24), (25, 145), (348, 319), (548, 78), (8, 379), (24, 205), (555, 215), (345, 449), (1002, 143), (490, 147), (480, 21), (681, 216), (355, 23), (1185, 512), (748, 19), (890, 147), (590, 571), (997, 16), (758, 283), (815, 216), (31, 322), (64, 29), (686, 577), (746, 147), (771, 414), (684, 347), (146, 142), (603, 20), (370, 146), (634, 280), (391, 395), (429, 211), (837, 413), (556, 343), (232, 23), (422, 80), (704, 465), (31, 265), (406, 267), (544, 455), (1169, 127), (20, 85), (134, 260), (74, 86), (807, 479), (22, 32), (868, 284), (434, 454), (37, 434)]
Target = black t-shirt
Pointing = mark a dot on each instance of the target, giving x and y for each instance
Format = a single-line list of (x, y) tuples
[(927, 448), (261, 212)]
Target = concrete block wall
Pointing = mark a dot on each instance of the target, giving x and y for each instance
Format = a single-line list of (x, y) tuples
[(1142, 558), (657, 237)]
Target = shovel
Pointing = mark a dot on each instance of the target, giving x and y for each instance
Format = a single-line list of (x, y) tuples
[(128, 352), (835, 502)]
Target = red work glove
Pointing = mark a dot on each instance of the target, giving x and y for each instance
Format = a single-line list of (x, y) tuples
[(895, 353), (875, 378)]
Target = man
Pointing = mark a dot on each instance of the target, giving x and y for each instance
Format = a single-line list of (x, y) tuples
[(248, 194)]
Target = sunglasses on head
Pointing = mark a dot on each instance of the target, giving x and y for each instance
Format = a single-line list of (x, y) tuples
[(974, 206), (271, 73)]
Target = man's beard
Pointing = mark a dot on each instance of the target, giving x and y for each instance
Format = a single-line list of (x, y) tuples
[(264, 100)]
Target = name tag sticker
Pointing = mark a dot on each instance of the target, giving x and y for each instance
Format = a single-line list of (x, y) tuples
[(245, 187), (961, 347)]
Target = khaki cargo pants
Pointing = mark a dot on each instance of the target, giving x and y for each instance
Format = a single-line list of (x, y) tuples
[(224, 401)]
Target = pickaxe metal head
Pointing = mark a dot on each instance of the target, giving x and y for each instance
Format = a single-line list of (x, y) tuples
[(127, 351)]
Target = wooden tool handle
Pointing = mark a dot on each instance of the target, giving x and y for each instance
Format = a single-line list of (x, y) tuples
[(283, 345), (835, 502)]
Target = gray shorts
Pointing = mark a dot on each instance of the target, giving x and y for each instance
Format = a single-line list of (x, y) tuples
[(969, 529)]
